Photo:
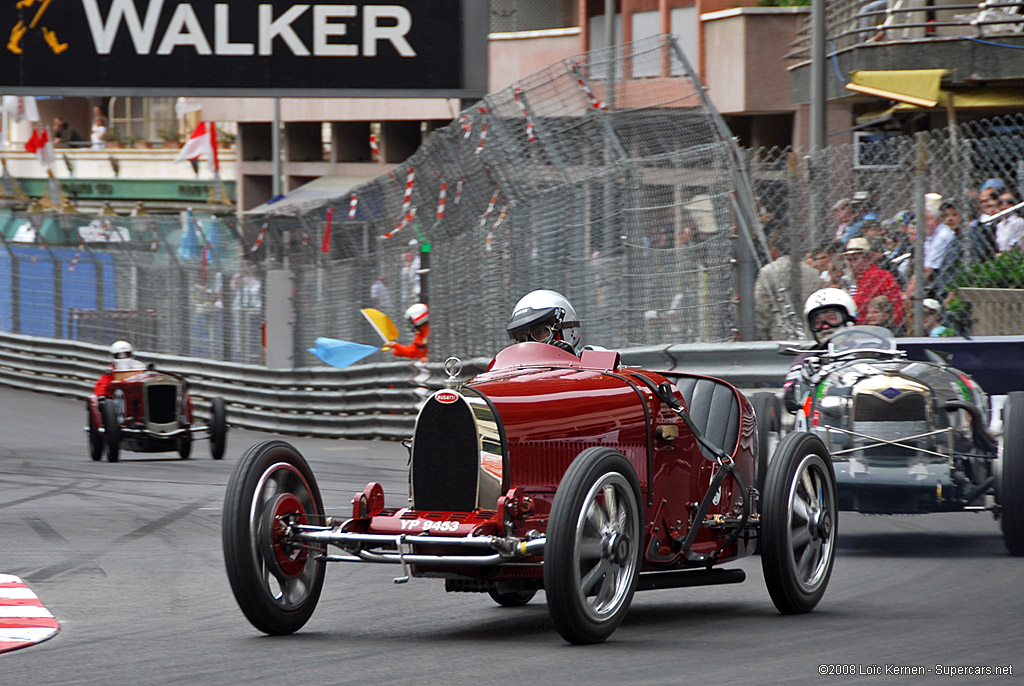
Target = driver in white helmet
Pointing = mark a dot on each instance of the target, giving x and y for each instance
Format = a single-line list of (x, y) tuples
[(123, 364), (545, 316), (826, 311), (418, 316)]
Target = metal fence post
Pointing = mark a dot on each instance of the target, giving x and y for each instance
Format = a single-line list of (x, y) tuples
[(920, 189)]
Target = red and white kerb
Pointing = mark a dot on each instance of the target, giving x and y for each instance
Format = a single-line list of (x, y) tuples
[(23, 619), (529, 122)]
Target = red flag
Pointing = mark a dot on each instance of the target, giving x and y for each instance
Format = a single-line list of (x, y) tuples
[(203, 141), (326, 247), (39, 144)]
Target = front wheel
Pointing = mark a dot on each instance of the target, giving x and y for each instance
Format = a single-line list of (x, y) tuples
[(275, 579), (95, 437), (592, 553), (1010, 489), (799, 523), (218, 428), (111, 430)]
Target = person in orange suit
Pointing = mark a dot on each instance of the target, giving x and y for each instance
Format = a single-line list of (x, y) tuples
[(419, 318)]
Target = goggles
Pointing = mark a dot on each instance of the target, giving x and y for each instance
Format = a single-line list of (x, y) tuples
[(541, 326), (541, 333), (828, 318)]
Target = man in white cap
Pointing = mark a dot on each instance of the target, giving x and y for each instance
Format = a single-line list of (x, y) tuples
[(938, 236), (933, 318)]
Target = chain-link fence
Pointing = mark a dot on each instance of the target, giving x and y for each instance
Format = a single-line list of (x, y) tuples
[(621, 193), (608, 177), (944, 204), (168, 284)]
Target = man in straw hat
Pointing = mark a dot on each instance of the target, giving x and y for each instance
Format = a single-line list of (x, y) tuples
[(871, 280)]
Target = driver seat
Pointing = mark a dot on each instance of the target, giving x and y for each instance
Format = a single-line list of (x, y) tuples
[(714, 409)]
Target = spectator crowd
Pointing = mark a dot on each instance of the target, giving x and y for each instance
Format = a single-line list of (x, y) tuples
[(873, 259)]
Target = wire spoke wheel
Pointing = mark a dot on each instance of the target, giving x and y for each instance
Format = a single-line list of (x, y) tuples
[(799, 525), (592, 553)]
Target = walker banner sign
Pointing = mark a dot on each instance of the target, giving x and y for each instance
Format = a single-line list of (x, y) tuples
[(244, 47)]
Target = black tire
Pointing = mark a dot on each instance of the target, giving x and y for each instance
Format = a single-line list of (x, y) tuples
[(512, 598), (277, 585), (1010, 491), (185, 445), (95, 437), (593, 548), (218, 428), (769, 432), (111, 431), (799, 523)]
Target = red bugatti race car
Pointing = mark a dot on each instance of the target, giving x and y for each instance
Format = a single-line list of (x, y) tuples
[(149, 411), (572, 475)]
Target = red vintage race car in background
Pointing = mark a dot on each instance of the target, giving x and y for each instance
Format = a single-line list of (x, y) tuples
[(149, 411), (572, 475)]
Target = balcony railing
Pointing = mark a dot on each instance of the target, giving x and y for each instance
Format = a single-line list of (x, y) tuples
[(851, 23)]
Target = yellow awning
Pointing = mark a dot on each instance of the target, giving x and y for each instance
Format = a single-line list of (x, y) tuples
[(919, 87), (960, 99)]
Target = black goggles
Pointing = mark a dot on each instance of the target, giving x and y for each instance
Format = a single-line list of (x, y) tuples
[(541, 326)]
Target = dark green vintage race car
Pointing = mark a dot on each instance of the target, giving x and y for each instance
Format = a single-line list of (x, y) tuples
[(910, 437)]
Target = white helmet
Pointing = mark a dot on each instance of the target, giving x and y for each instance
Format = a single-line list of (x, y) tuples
[(829, 309), (121, 350), (417, 314), (546, 317)]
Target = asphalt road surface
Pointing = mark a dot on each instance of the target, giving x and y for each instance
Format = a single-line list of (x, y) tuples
[(128, 557)]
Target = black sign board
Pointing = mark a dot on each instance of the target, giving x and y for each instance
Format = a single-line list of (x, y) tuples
[(424, 48)]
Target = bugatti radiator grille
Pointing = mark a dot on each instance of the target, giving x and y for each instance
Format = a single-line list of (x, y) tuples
[(445, 458), (162, 402)]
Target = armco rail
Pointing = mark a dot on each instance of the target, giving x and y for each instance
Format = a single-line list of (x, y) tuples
[(381, 400)]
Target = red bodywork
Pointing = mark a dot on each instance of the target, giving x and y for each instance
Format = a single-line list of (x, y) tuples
[(126, 390), (552, 405)]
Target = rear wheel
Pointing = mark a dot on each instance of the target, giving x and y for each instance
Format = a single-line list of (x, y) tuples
[(1010, 490), (95, 437), (218, 428), (276, 580), (592, 553), (799, 523), (111, 431), (768, 410), (185, 445), (512, 598)]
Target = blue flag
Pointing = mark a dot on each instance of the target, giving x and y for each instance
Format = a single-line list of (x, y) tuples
[(341, 354)]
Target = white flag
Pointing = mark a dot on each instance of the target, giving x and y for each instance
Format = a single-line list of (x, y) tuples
[(20, 107), (202, 142)]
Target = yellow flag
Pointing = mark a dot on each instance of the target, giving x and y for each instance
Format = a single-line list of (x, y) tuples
[(381, 323)]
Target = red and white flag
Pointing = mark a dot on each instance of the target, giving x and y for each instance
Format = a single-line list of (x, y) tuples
[(203, 141), (41, 146)]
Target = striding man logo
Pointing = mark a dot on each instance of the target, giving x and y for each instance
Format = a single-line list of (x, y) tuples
[(20, 29)]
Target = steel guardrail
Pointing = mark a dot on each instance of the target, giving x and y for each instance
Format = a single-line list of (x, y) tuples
[(381, 400)]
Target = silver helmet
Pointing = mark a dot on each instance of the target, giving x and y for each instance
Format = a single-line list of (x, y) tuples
[(546, 317)]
